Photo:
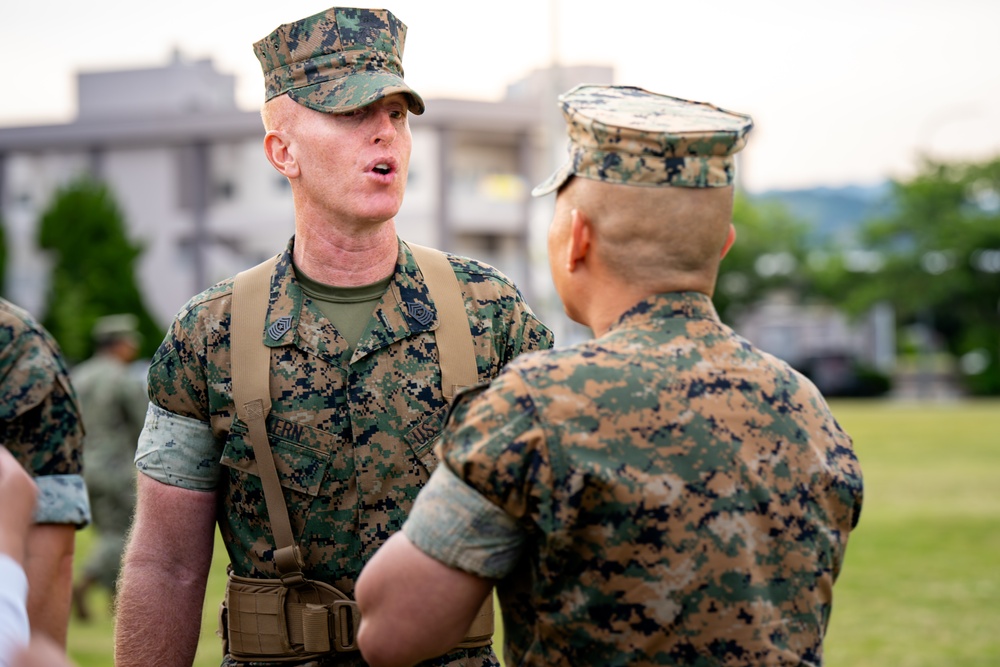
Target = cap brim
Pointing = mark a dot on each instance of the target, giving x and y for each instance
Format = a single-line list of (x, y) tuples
[(555, 181), (355, 91)]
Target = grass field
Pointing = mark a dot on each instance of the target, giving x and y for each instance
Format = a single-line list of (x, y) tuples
[(921, 584)]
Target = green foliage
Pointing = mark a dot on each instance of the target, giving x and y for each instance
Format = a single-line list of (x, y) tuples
[(769, 254), (94, 271), (939, 262)]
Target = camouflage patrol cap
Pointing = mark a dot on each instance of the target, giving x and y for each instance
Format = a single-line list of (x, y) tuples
[(109, 328), (337, 61), (630, 136)]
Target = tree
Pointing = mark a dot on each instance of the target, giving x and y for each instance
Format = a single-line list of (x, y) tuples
[(938, 262), (769, 254), (93, 271)]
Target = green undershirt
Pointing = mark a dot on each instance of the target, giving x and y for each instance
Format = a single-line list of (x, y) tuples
[(348, 308)]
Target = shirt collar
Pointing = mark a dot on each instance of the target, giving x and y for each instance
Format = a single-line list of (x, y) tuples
[(668, 305), (405, 309)]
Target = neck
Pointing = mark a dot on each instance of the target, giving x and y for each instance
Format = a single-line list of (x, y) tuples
[(605, 300), (596, 298), (602, 313), (346, 258)]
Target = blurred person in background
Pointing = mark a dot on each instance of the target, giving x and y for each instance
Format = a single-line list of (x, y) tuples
[(40, 424), (113, 402)]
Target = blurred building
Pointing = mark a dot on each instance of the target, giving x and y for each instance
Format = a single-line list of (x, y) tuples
[(187, 167), (838, 354)]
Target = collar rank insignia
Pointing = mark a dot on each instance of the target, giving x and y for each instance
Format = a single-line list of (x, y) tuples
[(279, 327), (419, 312)]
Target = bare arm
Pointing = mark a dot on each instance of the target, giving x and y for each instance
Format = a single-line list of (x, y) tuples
[(49, 566), (17, 500), (42, 652), (413, 607), (164, 573), (18, 495)]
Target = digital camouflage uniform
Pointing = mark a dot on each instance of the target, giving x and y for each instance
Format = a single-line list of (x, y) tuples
[(113, 401), (39, 417), (665, 494), (352, 432), (683, 499)]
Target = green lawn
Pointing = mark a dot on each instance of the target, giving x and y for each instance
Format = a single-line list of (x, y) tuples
[(921, 584)]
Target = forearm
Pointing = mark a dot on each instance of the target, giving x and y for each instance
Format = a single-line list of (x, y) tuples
[(162, 584), (49, 566), (412, 606), (158, 611)]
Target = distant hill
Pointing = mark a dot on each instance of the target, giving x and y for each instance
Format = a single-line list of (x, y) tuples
[(833, 213)]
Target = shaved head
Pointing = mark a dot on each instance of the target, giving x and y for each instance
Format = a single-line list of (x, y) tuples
[(276, 113), (662, 238)]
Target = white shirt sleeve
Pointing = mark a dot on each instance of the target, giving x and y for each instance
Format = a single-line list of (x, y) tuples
[(14, 629)]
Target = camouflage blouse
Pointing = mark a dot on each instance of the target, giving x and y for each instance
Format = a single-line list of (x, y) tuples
[(352, 431), (40, 417), (663, 495)]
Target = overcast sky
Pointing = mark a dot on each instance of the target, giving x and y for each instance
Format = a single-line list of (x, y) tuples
[(847, 92)]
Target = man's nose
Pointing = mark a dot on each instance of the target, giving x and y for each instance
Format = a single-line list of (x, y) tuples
[(385, 129)]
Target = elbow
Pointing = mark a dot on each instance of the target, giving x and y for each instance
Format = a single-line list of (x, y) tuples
[(395, 645), (370, 650), (377, 650), (389, 645)]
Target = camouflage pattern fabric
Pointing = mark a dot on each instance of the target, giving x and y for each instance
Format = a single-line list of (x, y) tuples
[(113, 401), (630, 136), (352, 433), (683, 498), (338, 60), (40, 418)]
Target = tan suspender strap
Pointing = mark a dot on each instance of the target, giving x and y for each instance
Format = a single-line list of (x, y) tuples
[(456, 352), (457, 357), (252, 397), (251, 363)]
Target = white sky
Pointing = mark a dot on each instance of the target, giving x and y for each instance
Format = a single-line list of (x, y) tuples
[(846, 92)]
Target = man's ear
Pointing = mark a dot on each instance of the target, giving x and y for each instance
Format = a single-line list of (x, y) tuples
[(279, 153), (580, 238), (730, 239)]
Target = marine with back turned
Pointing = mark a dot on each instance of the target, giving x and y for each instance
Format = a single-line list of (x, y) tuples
[(664, 494)]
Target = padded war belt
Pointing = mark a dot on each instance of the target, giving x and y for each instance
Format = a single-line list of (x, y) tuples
[(271, 620), (294, 618)]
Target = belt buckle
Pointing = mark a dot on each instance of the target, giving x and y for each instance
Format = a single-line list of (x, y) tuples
[(346, 619)]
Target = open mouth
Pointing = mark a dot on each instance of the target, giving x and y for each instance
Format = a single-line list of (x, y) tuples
[(382, 168)]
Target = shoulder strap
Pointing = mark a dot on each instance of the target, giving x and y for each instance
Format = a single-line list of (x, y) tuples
[(251, 362), (456, 352)]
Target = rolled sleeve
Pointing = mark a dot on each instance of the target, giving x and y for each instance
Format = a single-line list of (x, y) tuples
[(62, 499), (457, 526), (179, 451)]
